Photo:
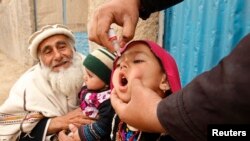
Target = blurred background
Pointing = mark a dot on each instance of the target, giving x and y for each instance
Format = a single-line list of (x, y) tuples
[(198, 33)]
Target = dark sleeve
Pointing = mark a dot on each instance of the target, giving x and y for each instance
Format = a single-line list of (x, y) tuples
[(37, 133), (101, 129), (219, 96), (149, 6)]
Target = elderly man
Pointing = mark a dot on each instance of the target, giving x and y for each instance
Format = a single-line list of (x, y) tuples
[(40, 102)]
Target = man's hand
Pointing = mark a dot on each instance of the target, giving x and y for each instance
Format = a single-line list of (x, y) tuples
[(75, 117), (135, 112), (124, 13)]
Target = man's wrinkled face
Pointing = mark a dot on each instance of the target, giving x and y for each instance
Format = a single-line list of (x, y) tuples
[(56, 52), (65, 81)]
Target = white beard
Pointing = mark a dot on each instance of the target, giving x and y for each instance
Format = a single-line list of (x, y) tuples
[(67, 81)]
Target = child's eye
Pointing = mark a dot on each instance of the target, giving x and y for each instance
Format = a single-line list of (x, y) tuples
[(117, 65), (138, 61), (89, 75)]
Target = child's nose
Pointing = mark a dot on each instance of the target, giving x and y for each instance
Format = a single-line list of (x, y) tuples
[(123, 66), (85, 78)]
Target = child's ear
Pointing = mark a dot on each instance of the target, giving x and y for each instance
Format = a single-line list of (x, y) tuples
[(164, 85)]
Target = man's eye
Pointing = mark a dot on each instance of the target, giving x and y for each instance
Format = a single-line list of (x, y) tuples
[(61, 47), (48, 51)]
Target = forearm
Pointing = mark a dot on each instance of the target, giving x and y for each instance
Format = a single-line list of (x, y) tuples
[(57, 124), (75, 117), (218, 96), (151, 114), (149, 6)]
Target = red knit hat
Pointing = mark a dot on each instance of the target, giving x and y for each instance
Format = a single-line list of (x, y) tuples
[(167, 62)]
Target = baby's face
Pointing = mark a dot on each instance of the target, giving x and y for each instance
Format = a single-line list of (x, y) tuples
[(136, 62), (92, 81)]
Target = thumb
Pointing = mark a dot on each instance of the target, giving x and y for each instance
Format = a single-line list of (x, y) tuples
[(72, 128), (116, 102), (119, 106), (128, 30), (140, 93), (136, 86)]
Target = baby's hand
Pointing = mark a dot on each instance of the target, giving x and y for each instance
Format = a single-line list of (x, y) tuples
[(74, 132), (72, 136)]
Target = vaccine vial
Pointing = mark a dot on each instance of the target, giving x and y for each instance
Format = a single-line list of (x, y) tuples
[(114, 40)]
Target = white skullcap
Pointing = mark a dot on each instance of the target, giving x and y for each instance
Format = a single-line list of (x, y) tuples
[(45, 32)]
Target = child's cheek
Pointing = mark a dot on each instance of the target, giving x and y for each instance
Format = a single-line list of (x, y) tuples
[(136, 74), (115, 78)]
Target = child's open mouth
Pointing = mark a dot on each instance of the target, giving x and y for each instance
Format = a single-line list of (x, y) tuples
[(124, 81)]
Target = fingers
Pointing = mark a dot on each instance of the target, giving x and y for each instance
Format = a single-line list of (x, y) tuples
[(72, 128), (76, 112), (63, 137), (118, 105), (102, 29), (113, 12), (72, 136), (78, 121), (92, 26), (115, 100), (74, 131), (102, 34), (99, 27), (140, 94), (143, 102), (77, 117), (135, 84), (128, 29)]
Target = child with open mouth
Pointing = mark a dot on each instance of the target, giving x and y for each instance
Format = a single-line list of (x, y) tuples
[(149, 63)]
